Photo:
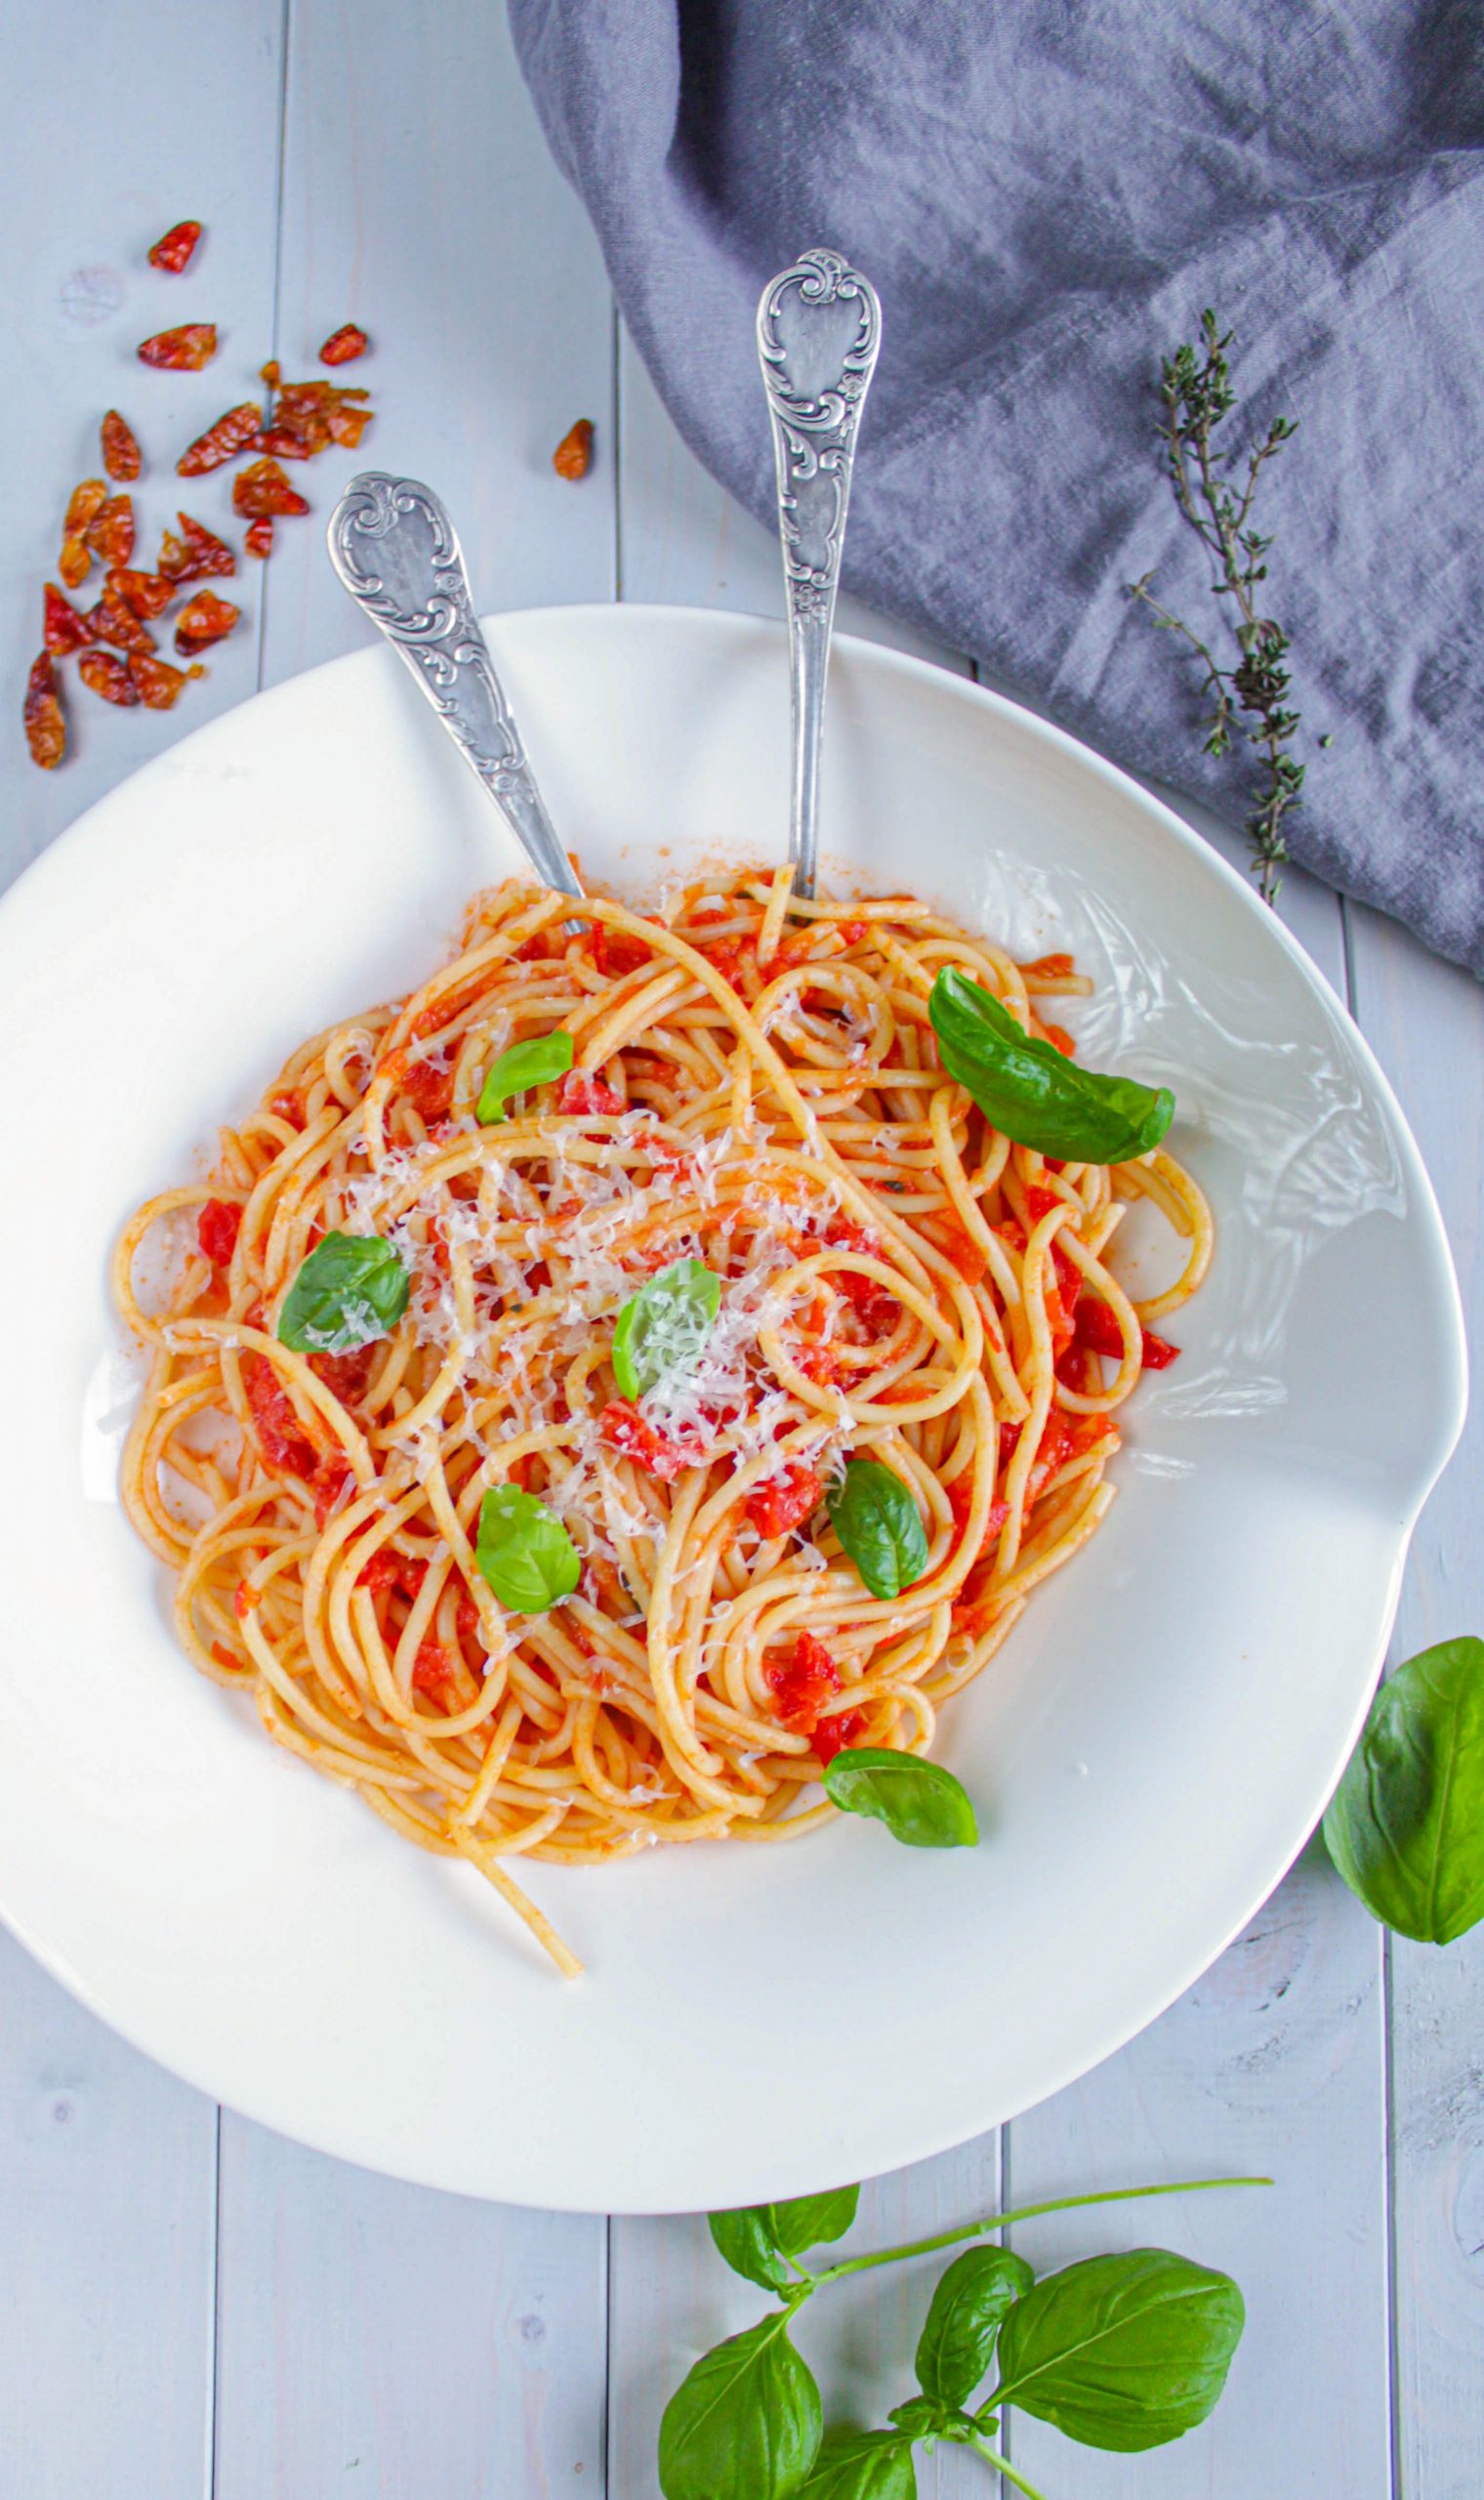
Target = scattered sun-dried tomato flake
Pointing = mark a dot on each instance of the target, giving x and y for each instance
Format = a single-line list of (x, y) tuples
[(88, 501), (109, 677), (110, 621), (62, 629), (259, 538), (111, 531), (261, 491), (202, 622), (122, 458), (160, 685), (46, 728), (182, 350), (573, 455), (197, 552), (344, 346), (145, 593), (173, 251), (74, 564), (237, 431)]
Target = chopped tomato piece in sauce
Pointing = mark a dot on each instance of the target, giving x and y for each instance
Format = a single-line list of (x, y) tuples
[(433, 1669), (588, 1095), (1099, 1333), (217, 1228), (783, 1501), (615, 953), (275, 1427), (803, 1684), (832, 1735), (631, 1435)]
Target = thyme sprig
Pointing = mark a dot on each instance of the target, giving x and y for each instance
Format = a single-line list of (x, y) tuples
[(1215, 493)]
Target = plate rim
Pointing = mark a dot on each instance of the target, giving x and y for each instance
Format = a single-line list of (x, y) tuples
[(721, 624)]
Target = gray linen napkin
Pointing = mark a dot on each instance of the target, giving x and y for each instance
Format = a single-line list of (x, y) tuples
[(1045, 196)]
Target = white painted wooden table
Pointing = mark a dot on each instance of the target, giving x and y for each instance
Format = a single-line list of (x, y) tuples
[(191, 2307)]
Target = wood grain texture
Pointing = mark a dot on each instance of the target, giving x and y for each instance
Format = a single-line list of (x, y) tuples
[(1425, 1022), (107, 2215), (395, 2343)]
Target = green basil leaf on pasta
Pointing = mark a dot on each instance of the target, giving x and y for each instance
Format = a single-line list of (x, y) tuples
[(660, 1333), (880, 1526), (524, 1064), (1406, 1825), (920, 1804), (964, 2319), (349, 1290), (744, 2235), (525, 1552), (863, 2465), (807, 2222), (1029, 1091), (1122, 2352), (745, 2423)]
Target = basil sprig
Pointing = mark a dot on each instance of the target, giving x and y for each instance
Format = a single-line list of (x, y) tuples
[(880, 1525), (1122, 2352), (1117, 2351), (533, 1062), (351, 1289), (525, 1552), (920, 1804), (1031, 1092), (660, 1332), (1406, 1825)]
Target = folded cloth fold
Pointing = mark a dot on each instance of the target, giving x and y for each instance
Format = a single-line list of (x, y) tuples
[(1045, 199)]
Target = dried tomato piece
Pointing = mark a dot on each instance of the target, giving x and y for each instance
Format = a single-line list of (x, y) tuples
[(173, 251), (62, 629), (238, 430), (220, 1222), (74, 564), (261, 491), (157, 683), (122, 457), (573, 455), (182, 350), (145, 593), (259, 538), (111, 621), (109, 677), (344, 346), (88, 501), (202, 622), (111, 531), (306, 417), (46, 728), (348, 423), (197, 552)]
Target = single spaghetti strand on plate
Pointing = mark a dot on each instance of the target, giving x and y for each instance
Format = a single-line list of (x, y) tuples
[(748, 1088)]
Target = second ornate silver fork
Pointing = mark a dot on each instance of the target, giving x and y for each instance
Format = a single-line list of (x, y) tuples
[(398, 553), (818, 331)]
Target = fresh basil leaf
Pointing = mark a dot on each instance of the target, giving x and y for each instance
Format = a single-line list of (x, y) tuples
[(351, 1289), (744, 2235), (524, 1064), (525, 1552), (880, 1526), (863, 2465), (745, 2423), (1406, 1825), (964, 2319), (1122, 2352), (659, 1334), (1030, 1091), (919, 1801), (806, 2222)]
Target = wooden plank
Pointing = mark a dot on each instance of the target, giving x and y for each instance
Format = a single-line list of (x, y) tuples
[(109, 135), (389, 2341), (419, 200), (1425, 1022), (371, 2333), (107, 2167)]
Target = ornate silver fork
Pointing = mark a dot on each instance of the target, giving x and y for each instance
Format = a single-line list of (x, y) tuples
[(818, 331)]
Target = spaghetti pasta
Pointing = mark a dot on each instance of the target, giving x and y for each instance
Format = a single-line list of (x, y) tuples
[(753, 1085)]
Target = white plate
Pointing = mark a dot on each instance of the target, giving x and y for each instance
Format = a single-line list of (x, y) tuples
[(1160, 1733)]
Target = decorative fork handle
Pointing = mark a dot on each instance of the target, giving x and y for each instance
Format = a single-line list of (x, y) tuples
[(818, 331), (396, 551)]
